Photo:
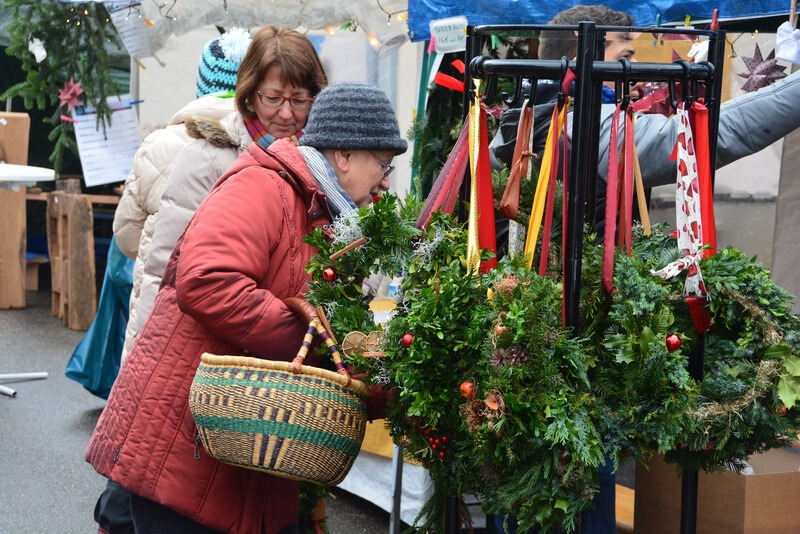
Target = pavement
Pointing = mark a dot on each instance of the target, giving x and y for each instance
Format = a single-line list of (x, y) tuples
[(45, 485)]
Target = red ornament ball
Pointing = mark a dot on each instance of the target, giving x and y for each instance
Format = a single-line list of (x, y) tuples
[(406, 340), (673, 342), (328, 274), (467, 389)]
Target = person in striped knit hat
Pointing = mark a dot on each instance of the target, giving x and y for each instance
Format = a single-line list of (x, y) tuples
[(219, 63)]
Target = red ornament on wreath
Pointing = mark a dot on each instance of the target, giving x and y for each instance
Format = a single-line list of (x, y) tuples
[(328, 274), (673, 342), (467, 389), (406, 340)]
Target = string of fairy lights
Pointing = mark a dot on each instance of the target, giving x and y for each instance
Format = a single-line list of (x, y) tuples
[(166, 9)]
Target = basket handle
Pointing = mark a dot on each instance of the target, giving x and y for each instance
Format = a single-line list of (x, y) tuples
[(307, 311)]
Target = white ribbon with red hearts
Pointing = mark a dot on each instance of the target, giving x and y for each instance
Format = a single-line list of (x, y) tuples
[(687, 212)]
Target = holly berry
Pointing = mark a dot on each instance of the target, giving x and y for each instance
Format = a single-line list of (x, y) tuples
[(407, 339), (501, 330), (442, 454), (783, 410), (444, 439), (467, 389), (437, 441), (328, 274), (376, 197), (434, 446), (673, 342), (431, 440), (427, 431)]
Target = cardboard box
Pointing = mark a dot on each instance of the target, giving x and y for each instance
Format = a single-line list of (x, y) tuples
[(765, 502), (14, 133)]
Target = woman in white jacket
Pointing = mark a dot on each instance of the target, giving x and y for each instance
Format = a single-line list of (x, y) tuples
[(135, 218), (277, 80)]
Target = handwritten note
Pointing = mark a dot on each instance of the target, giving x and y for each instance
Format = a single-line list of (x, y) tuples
[(132, 28), (107, 157)]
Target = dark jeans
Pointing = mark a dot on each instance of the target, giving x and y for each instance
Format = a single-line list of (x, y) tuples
[(113, 510), (149, 517), (601, 519)]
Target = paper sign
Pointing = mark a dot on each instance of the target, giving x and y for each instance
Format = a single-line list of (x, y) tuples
[(132, 29), (450, 34), (107, 157)]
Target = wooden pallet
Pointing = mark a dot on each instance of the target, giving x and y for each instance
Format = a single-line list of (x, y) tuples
[(70, 241), (12, 248)]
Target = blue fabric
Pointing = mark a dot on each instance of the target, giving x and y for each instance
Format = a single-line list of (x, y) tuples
[(644, 12), (602, 518), (95, 362)]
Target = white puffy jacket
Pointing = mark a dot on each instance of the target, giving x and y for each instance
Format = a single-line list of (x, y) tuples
[(135, 218)]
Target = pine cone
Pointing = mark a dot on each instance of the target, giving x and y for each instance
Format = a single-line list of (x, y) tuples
[(506, 285), (514, 356), (474, 412)]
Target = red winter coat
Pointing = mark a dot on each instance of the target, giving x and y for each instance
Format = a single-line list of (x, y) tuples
[(222, 293)]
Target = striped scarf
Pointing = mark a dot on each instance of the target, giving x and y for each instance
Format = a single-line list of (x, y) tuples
[(337, 198), (259, 134)]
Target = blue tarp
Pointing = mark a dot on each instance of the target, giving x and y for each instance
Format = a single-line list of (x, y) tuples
[(644, 12)]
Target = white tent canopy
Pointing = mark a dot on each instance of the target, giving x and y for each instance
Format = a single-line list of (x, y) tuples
[(374, 17)]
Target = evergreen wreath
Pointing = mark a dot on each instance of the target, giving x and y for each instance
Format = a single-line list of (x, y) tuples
[(497, 399)]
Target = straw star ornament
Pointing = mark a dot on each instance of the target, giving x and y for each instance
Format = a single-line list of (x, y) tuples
[(70, 95), (761, 72)]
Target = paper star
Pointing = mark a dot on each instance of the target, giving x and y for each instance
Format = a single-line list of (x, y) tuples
[(70, 95), (761, 72)]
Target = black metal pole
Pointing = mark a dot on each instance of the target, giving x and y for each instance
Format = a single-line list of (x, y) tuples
[(580, 171), (594, 133), (689, 481)]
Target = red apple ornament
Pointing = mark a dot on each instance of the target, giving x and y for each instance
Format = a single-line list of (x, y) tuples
[(406, 340), (673, 342)]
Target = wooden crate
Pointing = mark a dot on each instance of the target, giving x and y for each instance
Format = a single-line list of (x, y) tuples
[(12, 248), (70, 241)]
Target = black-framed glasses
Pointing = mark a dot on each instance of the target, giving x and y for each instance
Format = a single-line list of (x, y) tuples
[(297, 103), (387, 167)]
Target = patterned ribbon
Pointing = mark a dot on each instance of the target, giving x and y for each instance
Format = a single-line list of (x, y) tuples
[(687, 212)]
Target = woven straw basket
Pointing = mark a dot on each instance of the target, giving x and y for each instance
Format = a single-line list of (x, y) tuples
[(258, 414)]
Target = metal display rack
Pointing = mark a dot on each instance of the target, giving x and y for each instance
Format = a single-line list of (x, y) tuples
[(591, 71)]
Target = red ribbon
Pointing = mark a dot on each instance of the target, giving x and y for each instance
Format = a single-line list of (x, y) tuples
[(487, 238), (699, 115), (444, 192), (619, 196)]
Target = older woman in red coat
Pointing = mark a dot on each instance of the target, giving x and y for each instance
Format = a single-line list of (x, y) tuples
[(224, 292)]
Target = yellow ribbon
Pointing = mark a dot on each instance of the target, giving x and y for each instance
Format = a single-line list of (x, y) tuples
[(644, 214), (537, 209), (473, 245)]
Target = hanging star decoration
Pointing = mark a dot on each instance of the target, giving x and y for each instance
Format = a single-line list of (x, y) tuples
[(761, 72), (70, 95)]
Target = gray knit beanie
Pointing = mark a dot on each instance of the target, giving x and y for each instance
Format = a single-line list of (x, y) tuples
[(352, 116)]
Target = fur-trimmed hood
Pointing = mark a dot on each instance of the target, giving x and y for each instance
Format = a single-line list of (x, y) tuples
[(227, 132)]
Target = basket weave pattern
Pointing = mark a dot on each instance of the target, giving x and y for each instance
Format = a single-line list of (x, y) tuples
[(257, 414)]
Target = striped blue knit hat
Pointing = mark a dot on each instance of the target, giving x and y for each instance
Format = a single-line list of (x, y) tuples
[(220, 62)]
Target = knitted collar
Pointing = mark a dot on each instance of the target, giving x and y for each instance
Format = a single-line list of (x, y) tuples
[(337, 198), (259, 134)]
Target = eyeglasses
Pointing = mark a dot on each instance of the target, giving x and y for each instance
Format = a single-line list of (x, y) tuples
[(297, 103), (387, 167)]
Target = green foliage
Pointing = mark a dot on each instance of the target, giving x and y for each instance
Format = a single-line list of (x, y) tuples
[(549, 407), (750, 357), (75, 49)]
